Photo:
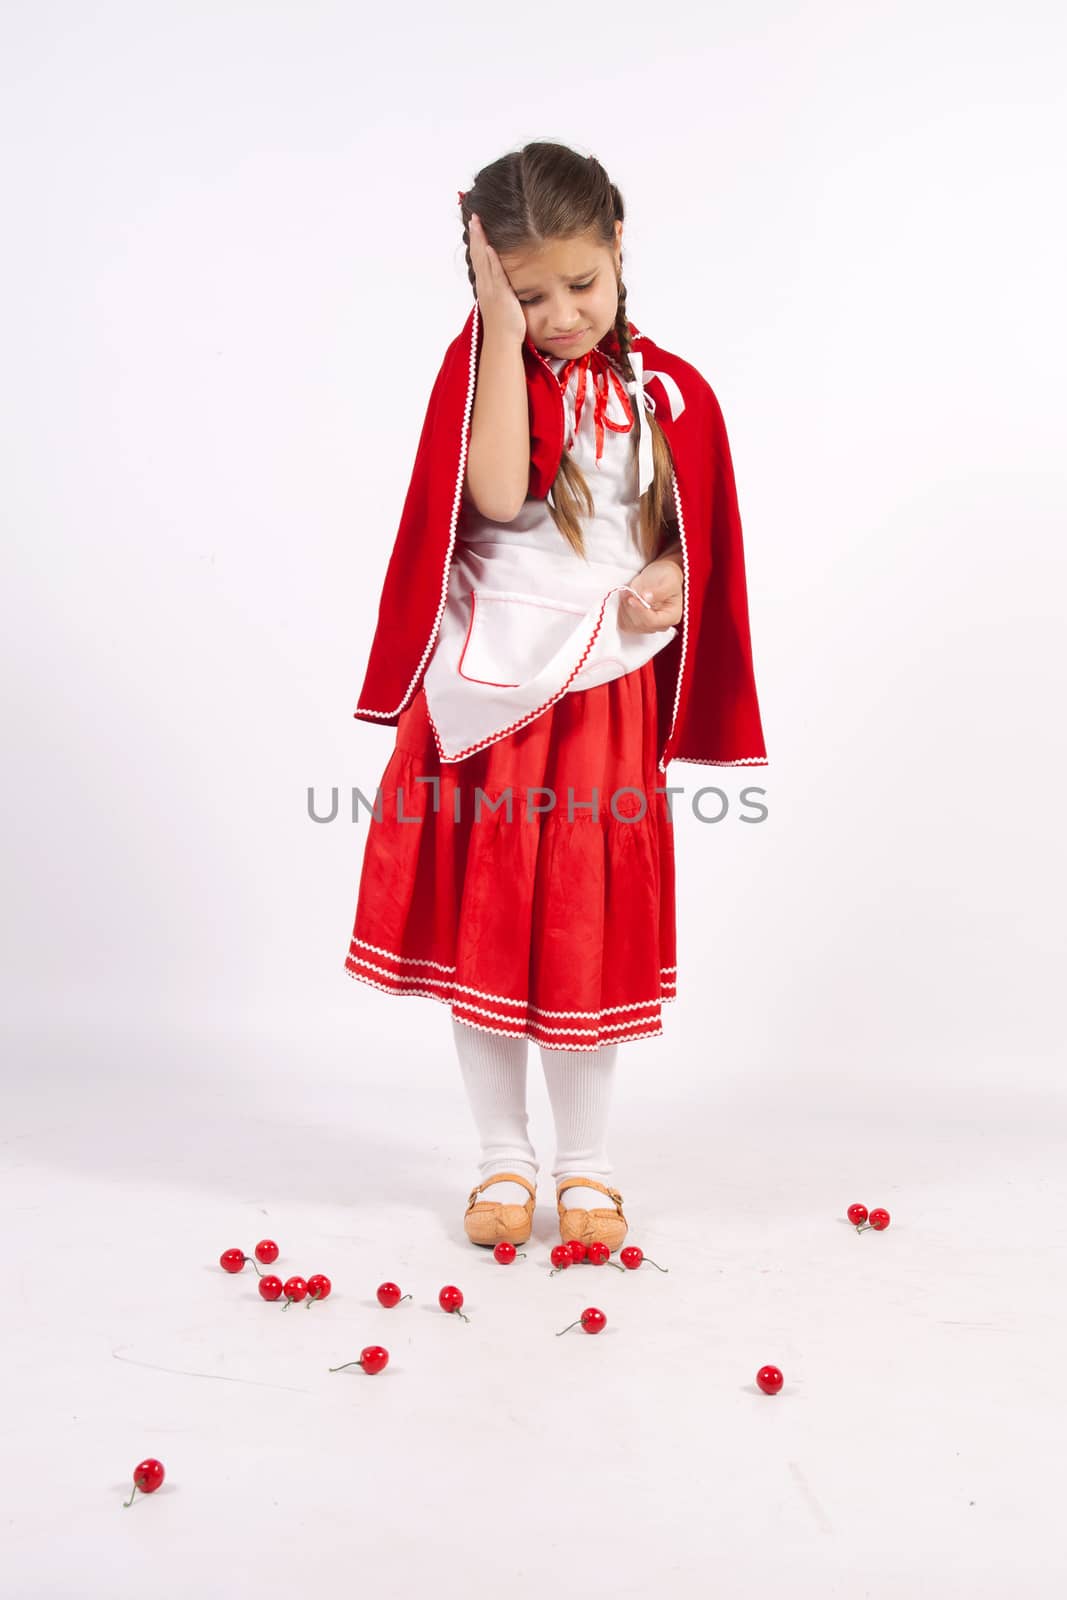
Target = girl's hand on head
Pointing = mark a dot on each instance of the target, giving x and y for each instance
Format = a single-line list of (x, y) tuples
[(497, 300), (661, 585)]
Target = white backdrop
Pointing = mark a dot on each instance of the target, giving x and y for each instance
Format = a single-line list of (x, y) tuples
[(232, 264)]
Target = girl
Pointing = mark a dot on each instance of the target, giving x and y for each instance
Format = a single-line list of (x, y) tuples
[(563, 612)]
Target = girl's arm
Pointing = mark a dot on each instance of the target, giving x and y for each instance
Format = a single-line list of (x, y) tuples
[(498, 451), (498, 455)]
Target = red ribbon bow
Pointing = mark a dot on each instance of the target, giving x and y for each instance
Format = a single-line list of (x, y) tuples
[(596, 364)]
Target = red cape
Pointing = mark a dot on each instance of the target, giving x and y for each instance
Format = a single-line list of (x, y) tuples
[(708, 710)]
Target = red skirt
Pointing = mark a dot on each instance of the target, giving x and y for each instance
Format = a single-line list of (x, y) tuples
[(554, 929)]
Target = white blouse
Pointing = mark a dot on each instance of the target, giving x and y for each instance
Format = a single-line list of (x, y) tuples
[(526, 619)]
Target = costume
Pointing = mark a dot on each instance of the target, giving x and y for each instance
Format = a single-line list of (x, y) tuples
[(708, 708), (548, 918)]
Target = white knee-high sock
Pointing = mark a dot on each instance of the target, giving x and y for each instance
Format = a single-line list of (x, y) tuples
[(579, 1086), (493, 1068)]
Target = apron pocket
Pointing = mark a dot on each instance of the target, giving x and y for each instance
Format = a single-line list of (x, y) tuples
[(511, 637)]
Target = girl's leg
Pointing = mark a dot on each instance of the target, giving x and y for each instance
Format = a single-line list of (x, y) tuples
[(579, 1087), (493, 1067)]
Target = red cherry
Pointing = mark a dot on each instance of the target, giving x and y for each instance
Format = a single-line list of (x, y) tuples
[(576, 1249), (857, 1213), (769, 1379), (234, 1260), (450, 1299), (562, 1256), (505, 1252), (295, 1289), (879, 1218), (632, 1256), (599, 1255), (266, 1251), (270, 1287), (318, 1287), (592, 1320), (389, 1294), (147, 1476), (372, 1358)]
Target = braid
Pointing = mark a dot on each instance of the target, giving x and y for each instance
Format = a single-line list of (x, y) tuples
[(622, 333), (655, 511), (622, 328), (465, 210)]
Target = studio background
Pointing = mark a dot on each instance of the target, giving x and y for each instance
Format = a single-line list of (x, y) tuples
[(233, 263)]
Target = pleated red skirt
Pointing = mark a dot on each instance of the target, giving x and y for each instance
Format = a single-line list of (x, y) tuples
[(554, 928)]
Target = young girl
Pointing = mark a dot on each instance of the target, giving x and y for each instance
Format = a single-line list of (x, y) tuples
[(563, 612)]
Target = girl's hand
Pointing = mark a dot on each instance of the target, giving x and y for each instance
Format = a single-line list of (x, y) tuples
[(497, 300), (661, 584)]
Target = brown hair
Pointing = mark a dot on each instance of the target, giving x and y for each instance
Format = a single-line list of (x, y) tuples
[(547, 191)]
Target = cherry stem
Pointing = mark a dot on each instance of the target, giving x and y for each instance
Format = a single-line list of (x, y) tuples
[(345, 1364), (253, 1261), (569, 1326), (404, 1297), (129, 1502), (462, 1314), (655, 1264), (615, 1264)]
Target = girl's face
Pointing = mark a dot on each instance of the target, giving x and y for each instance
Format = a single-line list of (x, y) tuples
[(568, 286)]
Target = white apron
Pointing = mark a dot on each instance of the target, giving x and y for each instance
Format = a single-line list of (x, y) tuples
[(526, 619)]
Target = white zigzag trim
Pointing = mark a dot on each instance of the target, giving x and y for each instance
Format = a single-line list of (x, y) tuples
[(570, 1033), (514, 1033), (500, 999), (414, 961), (741, 761), (459, 989)]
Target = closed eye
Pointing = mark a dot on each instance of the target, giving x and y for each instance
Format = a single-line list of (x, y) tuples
[(579, 286)]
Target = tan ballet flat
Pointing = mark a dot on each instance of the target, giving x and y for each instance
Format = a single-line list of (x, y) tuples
[(489, 1221), (600, 1223)]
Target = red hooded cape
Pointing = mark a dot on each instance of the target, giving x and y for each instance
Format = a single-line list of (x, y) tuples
[(708, 710)]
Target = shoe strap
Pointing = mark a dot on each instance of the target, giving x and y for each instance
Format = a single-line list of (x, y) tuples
[(499, 1177), (589, 1183)]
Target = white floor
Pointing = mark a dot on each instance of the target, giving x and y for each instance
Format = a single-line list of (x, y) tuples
[(915, 1450)]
